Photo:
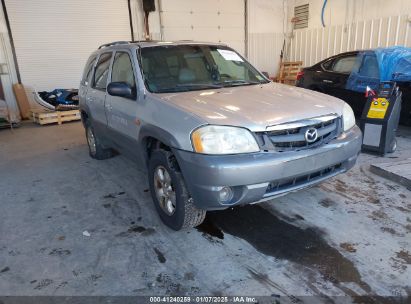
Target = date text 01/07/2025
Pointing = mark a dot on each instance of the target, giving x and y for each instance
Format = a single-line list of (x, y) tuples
[(203, 299)]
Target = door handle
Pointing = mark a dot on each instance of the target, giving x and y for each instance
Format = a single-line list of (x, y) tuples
[(109, 107), (328, 81)]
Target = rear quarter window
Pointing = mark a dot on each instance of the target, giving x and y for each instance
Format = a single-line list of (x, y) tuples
[(344, 65), (88, 70), (101, 71), (369, 67)]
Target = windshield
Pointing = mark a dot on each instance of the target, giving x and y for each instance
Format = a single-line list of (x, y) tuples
[(178, 68)]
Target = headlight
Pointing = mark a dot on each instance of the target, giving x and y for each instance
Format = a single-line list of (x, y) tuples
[(348, 117), (223, 140)]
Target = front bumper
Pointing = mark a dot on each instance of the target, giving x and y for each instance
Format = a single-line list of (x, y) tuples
[(261, 176)]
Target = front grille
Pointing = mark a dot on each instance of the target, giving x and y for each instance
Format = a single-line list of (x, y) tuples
[(291, 137), (289, 184)]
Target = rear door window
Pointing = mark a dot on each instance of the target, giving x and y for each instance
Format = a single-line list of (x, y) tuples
[(101, 71), (327, 64), (87, 71), (344, 65)]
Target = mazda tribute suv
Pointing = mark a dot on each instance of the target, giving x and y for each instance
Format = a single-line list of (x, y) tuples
[(210, 129)]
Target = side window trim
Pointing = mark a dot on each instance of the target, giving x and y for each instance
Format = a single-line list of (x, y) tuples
[(92, 84)]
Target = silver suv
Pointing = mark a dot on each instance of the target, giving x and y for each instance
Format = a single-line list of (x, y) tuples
[(210, 129)]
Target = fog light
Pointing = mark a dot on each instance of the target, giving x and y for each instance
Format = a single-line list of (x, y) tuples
[(226, 194)]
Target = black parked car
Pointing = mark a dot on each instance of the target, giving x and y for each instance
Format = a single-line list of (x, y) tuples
[(347, 75)]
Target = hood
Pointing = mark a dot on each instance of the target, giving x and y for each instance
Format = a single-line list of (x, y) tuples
[(255, 107)]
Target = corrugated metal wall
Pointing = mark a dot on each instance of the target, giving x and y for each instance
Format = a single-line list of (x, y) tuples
[(313, 45)]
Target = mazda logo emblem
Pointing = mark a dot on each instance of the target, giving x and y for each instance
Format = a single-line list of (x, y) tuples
[(311, 135)]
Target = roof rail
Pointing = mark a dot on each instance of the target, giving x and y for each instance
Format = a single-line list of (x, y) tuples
[(125, 42), (113, 43)]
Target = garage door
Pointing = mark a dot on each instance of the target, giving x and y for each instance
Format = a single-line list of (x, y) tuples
[(211, 20), (53, 39)]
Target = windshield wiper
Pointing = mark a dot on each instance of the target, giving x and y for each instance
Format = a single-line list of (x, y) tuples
[(235, 82), (188, 87), (198, 85), (171, 90)]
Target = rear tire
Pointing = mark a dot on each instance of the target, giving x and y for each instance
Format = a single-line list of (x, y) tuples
[(393, 146), (95, 147), (170, 196)]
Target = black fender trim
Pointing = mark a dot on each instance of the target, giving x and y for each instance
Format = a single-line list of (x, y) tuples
[(158, 133)]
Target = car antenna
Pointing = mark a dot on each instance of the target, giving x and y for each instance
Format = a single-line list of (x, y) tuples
[(140, 62)]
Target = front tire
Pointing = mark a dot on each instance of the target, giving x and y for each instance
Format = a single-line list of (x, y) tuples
[(170, 196)]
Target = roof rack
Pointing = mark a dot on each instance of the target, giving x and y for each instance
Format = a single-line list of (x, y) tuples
[(139, 41), (113, 43), (125, 42)]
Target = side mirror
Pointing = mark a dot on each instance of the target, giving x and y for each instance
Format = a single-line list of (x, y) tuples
[(120, 89), (266, 74)]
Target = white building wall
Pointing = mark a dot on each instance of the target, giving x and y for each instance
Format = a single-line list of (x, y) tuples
[(53, 39), (266, 22), (339, 12), (138, 20), (349, 25), (211, 21), (266, 28)]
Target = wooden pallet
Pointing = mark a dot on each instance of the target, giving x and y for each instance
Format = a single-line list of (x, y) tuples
[(48, 117), (288, 72)]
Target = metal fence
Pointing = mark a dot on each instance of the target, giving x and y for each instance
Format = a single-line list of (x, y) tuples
[(313, 45)]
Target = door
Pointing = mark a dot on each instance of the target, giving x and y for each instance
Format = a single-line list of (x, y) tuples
[(336, 72), (121, 111), (96, 95)]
